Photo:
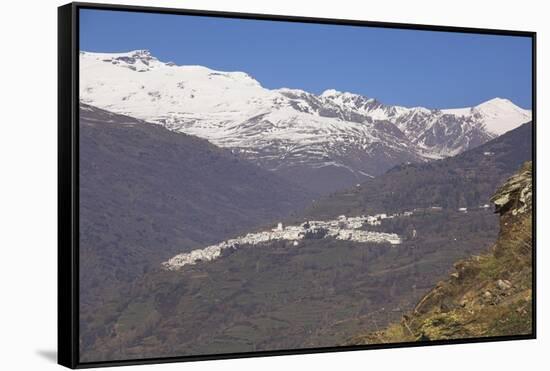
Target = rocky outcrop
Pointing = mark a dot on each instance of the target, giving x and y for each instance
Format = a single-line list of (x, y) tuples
[(516, 194), (486, 295)]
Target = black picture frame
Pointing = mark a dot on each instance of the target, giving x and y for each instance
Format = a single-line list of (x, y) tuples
[(68, 180)]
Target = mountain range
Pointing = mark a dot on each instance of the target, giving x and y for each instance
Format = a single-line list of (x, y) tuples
[(323, 142)]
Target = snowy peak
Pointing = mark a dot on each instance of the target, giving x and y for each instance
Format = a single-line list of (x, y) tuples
[(497, 101), (344, 98), (334, 94), (354, 106), (498, 115), (135, 60), (330, 93), (501, 107), (143, 61), (137, 84)]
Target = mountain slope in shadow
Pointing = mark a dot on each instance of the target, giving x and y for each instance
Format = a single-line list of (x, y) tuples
[(463, 181), (147, 193)]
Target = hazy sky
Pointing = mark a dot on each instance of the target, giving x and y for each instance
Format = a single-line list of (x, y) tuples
[(406, 67)]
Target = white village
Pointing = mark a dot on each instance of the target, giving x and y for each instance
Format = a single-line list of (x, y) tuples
[(342, 228)]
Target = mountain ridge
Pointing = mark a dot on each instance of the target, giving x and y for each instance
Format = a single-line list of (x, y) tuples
[(310, 139)]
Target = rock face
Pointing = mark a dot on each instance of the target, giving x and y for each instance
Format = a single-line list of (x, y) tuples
[(487, 295), (324, 142), (516, 194)]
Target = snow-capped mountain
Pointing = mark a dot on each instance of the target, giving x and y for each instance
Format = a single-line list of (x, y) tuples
[(324, 142), (498, 115)]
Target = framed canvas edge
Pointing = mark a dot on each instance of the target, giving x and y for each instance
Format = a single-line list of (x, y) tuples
[(68, 187), (67, 233)]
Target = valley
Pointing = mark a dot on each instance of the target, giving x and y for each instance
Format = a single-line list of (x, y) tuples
[(262, 292), (281, 297)]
